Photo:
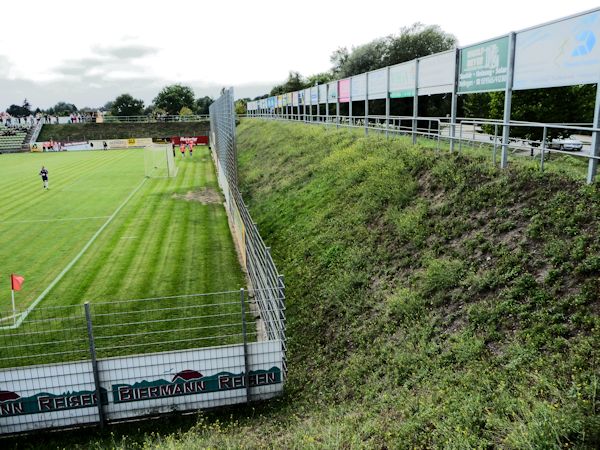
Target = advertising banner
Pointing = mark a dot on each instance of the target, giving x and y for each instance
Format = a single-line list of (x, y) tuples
[(436, 73), (195, 140), (359, 87), (344, 90), (484, 67), (295, 98), (314, 95), (332, 91), (377, 81), (138, 385), (402, 80), (307, 97), (301, 97), (322, 93), (562, 53)]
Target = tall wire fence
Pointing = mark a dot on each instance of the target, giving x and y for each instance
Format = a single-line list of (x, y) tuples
[(106, 361), (266, 284)]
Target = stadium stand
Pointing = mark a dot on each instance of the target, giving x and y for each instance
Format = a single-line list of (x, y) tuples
[(12, 139)]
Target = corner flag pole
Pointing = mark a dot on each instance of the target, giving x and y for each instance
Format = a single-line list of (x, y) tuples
[(16, 281), (12, 295)]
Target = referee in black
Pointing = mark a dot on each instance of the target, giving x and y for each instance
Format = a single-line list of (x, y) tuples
[(44, 175)]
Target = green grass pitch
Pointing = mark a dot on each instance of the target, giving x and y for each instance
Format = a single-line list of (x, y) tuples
[(161, 243)]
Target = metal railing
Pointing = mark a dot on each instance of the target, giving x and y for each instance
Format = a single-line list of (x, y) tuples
[(154, 119), (109, 361), (460, 134)]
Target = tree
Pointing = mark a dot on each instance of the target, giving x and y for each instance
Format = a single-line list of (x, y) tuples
[(415, 41), (318, 78), (202, 104), (62, 109), (20, 111), (362, 59), (550, 105), (174, 97), (185, 111), (126, 105), (338, 59), (293, 83), (240, 105)]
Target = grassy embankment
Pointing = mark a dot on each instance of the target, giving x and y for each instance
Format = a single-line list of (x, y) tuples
[(90, 131), (433, 300)]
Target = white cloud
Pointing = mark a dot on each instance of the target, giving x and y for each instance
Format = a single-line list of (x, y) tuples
[(70, 44)]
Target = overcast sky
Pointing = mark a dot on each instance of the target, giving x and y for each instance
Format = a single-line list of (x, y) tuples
[(89, 52)]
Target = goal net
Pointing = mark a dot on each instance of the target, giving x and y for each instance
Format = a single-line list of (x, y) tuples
[(159, 161)]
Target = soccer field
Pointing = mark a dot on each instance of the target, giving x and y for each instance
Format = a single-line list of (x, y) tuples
[(153, 237)]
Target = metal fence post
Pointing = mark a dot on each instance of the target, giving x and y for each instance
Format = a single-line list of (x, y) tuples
[(543, 149), (415, 124), (454, 105), (245, 338), (508, 101), (88, 318), (595, 148)]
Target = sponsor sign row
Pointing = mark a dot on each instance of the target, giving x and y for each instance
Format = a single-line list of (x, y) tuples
[(58, 395), (561, 53)]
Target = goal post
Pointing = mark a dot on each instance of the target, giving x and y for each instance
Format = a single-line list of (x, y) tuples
[(159, 161)]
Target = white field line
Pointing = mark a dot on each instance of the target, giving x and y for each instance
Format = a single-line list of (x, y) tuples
[(53, 220), (30, 308)]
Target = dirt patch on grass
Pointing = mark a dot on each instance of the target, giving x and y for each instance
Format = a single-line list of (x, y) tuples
[(206, 196)]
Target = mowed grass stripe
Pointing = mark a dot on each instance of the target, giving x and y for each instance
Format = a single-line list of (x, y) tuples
[(158, 245), (41, 251), (165, 255), (65, 169)]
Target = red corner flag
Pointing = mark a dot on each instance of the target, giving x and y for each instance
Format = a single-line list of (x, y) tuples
[(16, 281)]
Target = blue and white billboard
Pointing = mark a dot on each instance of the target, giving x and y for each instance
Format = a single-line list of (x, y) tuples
[(563, 53)]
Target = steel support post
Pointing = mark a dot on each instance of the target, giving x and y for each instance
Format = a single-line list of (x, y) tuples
[(387, 104), (595, 148), (245, 339), (88, 319), (508, 101), (415, 103), (367, 104), (454, 105)]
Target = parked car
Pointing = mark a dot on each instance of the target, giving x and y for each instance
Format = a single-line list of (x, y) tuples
[(569, 144)]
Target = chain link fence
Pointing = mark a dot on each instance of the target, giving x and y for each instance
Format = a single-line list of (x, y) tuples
[(266, 284), (101, 362)]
